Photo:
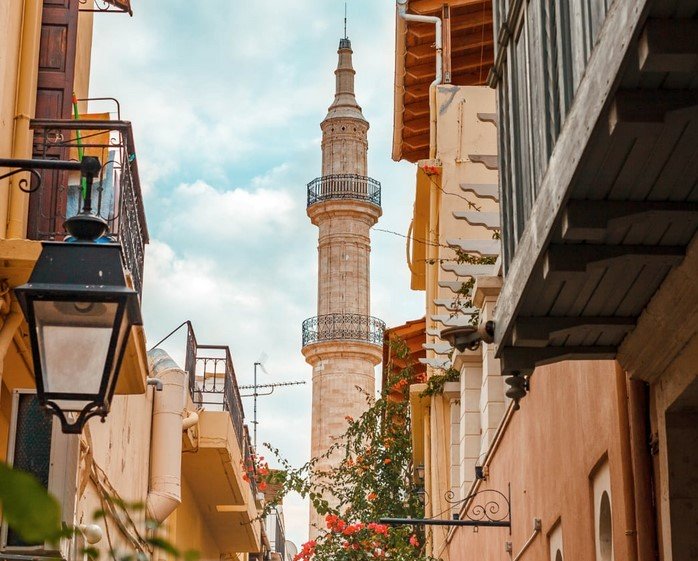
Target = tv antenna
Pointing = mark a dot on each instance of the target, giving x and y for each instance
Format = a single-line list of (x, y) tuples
[(345, 20), (268, 389)]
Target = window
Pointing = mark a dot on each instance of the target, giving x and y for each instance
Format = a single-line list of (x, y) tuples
[(37, 445), (555, 542), (605, 528), (603, 518)]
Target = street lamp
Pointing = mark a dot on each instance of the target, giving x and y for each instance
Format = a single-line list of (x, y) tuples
[(80, 310)]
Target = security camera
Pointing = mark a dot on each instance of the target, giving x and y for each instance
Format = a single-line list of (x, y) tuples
[(469, 336)]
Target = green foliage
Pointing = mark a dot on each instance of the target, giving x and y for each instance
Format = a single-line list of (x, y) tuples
[(35, 515), (371, 479), (28, 508), (436, 383)]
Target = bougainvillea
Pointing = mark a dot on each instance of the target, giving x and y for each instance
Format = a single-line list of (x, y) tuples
[(372, 478), (255, 468)]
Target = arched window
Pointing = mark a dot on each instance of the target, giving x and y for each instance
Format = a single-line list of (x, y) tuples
[(605, 528)]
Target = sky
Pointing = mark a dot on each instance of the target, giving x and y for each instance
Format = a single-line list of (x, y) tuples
[(226, 98)]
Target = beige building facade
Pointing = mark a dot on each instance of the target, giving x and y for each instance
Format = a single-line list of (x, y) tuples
[(174, 440), (343, 343), (572, 426)]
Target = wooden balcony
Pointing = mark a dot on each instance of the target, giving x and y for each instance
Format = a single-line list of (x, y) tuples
[(600, 210)]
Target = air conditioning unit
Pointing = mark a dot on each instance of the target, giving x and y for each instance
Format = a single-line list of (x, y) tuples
[(37, 445)]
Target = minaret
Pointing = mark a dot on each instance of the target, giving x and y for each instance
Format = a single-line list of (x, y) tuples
[(343, 343)]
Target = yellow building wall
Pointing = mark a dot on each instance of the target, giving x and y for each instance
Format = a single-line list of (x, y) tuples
[(188, 530), (83, 57)]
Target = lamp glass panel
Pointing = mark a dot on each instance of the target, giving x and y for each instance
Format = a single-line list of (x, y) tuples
[(74, 342)]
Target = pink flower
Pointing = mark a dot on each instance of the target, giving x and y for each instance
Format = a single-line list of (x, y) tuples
[(414, 541)]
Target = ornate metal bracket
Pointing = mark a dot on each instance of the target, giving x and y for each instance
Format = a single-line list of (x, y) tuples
[(31, 166), (487, 508)]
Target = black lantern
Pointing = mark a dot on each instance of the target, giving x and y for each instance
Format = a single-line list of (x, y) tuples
[(80, 311)]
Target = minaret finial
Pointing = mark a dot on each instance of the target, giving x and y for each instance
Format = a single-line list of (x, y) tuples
[(345, 20)]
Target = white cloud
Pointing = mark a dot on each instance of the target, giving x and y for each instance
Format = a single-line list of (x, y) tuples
[(226, 99), (204, 211)]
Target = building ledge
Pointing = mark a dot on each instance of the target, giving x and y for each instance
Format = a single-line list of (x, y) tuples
[(214, 471)]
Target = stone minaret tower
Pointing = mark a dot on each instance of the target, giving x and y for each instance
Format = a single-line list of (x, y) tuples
[(343, 343)]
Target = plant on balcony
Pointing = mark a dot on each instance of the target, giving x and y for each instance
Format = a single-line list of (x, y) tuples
[(437, 382), (255, 468), (373, 479)]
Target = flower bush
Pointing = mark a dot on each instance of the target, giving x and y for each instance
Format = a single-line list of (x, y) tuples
[(255, 468), (371, 478)]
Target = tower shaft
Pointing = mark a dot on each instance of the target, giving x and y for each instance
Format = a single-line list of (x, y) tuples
[(343, 343)]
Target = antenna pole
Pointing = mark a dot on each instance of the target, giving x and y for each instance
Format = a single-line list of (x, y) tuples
[(254, 422), (345, 20)]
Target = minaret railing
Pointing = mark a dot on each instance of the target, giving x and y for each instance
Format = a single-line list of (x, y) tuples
[(344, 186), (343, 327)]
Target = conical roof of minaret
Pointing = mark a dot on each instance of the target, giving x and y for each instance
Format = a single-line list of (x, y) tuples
[(344, 104)]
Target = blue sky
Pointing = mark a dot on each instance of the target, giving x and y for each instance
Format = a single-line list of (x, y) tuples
[(226, 98)]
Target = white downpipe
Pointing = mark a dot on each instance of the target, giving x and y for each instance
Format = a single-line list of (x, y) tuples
[(402, 12), (165, 489), (190, 421)]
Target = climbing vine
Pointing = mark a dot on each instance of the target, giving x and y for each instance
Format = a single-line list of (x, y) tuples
[(371, 478)]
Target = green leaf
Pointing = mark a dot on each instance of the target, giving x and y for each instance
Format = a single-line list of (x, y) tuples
[(163, 544), (27, 506)]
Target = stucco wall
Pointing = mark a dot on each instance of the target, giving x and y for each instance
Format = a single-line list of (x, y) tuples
[(117, 454), (569, 422), (188, 530)]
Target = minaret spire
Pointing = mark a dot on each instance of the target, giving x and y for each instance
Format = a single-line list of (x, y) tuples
[(343, 343), (345, 104)]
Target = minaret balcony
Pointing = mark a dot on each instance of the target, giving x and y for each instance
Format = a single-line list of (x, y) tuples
[(343, 327), (344, 186)]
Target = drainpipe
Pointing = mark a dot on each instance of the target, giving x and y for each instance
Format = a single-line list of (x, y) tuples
[(165, 489), (9, 327), (402, 12), (13, 208)]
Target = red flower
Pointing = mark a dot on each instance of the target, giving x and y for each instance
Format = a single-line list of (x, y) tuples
[(372, 496), (387, 461), (414, 541)]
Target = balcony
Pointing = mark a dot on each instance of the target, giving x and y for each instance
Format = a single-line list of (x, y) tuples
[(344, 186), (343, 327), (212, 382), (598, 183), (117, 194), (215, 466)]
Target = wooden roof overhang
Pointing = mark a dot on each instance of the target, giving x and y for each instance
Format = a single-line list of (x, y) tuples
[(468, 55), (617, 208), (413, 334)]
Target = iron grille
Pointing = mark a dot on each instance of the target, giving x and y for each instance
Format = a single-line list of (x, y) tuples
[(343, 327), (32, 450), (212, 382), (117, 192), (344, 186)]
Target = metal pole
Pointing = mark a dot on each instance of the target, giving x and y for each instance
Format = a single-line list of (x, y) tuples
[(440, 522), (254, 421)]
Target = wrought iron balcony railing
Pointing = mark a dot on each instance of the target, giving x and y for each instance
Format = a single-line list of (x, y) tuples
[(212, 381), (344, 186), (116, 194), (343, 327), (250, 461)]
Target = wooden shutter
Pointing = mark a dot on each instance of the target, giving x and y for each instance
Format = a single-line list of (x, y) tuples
[(59, 31)]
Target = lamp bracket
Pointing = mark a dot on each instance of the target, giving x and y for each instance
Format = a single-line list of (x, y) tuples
[(75, 427), (487, 508)]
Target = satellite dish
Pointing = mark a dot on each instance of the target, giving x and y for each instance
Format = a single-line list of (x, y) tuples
[(291, 550)]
